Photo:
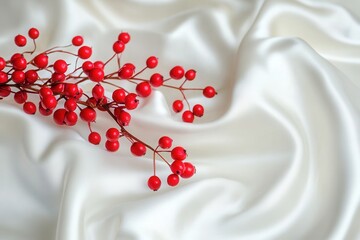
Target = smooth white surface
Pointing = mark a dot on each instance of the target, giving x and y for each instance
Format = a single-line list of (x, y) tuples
[(277, 154)]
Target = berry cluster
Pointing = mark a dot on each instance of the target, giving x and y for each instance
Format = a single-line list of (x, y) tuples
[(56, 87)]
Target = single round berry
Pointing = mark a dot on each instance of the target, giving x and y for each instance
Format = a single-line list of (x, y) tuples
[(129, 65), (123, 118), (124, 37), (20, 97), (87, 66), (45, 91), (59, 116), (156, 80), (189, 171), (71, 118), (112, 134), (209, 92), (88, 114), (94, 138), (152, 62), (177, 167), (33, 33), (154, 183), (41, 61), (165, 142), (19, 63), (2, 63), (31, 76), (177, 72), (138, 149), (126, 72), (131, 101), (98, 92), (112, 146), (188, 116), (18, 77), (190, 74), (119, 95), (77, 41), (49, 102), (177, 106), (84, 52), (60, 66), (29, 108), (70, 104), (58, 88), (173, 180), (71, 89), (3, 77), (198, 110), (5, 91), (20, 40), (118, 47), (96, 74), (178, 153), (15, 56), (99, 64), (43, 111), (143, 89)]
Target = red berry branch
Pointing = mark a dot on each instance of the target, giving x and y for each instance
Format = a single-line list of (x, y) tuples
[(60, 94)]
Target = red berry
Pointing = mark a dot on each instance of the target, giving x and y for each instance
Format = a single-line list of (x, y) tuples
[(88, 114), (143, 89), (177, 72), (178, 153), (15, 56), (129, 65), (84, 52), (96, 74), (87, 66), (58, 88), (112, 134), (41, 61), (177, 167), (2, 63), (209, 92), (112, 146), (20, 41), (43, 111), (77, 41), (5, 91), (152, 62), (31, 76), (131, 102), (98, 92), (126, 72), (33, 33), (45, 91), (138, 149), (119, 95), (49, 102), (57, 77), (3, 77), (154, 183), (173, 180), (18, 77), (71, 118), (60, 66), (29, 108), (99, 64), (123, 118), (71, 89), (177, 106), (188, 116), (156, 80), (189, 171), (59, 116), (19, 63), (118, 47), (94, 138), (91, 102), (165, 142), (70, 104), (198, 110), (124, 37), (20, 97), (190, 74)]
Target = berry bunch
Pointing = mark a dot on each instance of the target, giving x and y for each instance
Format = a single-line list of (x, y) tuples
[(56, 87)]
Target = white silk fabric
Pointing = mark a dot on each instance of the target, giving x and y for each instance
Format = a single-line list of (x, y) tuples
[(277, 152)]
